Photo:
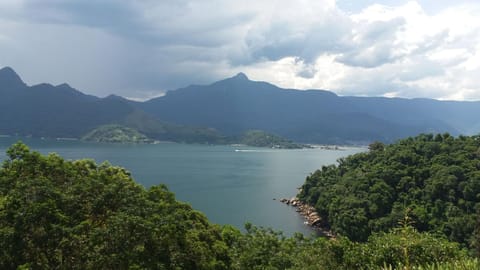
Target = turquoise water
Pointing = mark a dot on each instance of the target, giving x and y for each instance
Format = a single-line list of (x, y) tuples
[(230, 184)]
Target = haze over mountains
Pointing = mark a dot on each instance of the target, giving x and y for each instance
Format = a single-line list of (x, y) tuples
[(237, 104), (45, 110), (211, 113)]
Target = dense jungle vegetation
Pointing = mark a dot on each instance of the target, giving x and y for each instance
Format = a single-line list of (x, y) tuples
[(436, 177), (62, 214)]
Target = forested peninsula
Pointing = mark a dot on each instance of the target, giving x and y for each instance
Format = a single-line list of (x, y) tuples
[(114, 133), (62, 214), (436, 178)]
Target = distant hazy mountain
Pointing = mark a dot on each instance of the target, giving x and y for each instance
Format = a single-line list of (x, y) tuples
[(237, 104), (226, 109), (45, 110)]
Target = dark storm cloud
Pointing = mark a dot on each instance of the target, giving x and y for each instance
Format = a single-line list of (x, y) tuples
[(162, 23), (330, 34), (118, 15), (192, 26), (150, 45), (141, 48)]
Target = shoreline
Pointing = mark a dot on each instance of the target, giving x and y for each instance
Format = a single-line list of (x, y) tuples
[(312, 218)]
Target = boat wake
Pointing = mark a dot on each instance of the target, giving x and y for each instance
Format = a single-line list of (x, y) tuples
[(252, 150)]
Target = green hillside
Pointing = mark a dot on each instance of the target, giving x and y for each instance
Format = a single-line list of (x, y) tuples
[(116, 134), (237, 104), (226, 109), (261, 138), (435, 177), (60, 214)]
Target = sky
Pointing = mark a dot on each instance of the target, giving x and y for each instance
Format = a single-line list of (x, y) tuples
[(140, 49)]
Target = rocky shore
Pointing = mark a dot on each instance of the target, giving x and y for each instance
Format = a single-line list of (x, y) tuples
[(311, 216)]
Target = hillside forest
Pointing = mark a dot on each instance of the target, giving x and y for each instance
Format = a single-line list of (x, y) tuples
[(409, 205)]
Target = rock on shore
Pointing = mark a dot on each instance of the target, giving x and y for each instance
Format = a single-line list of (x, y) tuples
[(311, 216)]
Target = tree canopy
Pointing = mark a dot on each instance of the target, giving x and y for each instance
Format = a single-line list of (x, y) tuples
[(62, 214), (77, 214), (436, 177)]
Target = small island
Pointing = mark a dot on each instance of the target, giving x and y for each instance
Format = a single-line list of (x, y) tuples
[(116, 134), (259, 138)]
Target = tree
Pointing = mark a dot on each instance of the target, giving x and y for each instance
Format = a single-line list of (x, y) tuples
[(436, 176), (79, 215)]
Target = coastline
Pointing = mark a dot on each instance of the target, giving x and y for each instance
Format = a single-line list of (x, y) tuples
[(312, 218)]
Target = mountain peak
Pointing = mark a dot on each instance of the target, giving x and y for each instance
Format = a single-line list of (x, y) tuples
[(9, 78), (64, 85), (241, 76), (239, 79), (113, 96)]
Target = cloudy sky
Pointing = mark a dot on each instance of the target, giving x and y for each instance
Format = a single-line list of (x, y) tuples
[(142, 48)]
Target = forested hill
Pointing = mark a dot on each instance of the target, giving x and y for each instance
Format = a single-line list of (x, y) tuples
[(52, 111), (436, 177), (229, 108), (237, 104), (63, 214), (45, 110)]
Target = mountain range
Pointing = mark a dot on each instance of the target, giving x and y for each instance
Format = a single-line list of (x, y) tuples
[(315, 116), (227, 108), (45, 110)]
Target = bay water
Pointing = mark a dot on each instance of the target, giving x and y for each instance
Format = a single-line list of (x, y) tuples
[(229, 184)]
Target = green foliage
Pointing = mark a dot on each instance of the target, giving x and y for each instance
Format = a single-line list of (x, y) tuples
[(402, 247), (59, 214), (159, 130), (263, 139), (406, 247), (466, 264), (79, 215), (437, 177), (116, 134)]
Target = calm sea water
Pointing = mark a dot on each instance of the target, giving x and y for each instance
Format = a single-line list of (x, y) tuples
[(230, 184)]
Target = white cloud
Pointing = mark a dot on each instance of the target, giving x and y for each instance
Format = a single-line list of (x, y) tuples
[(140, 48), (403, 51)]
